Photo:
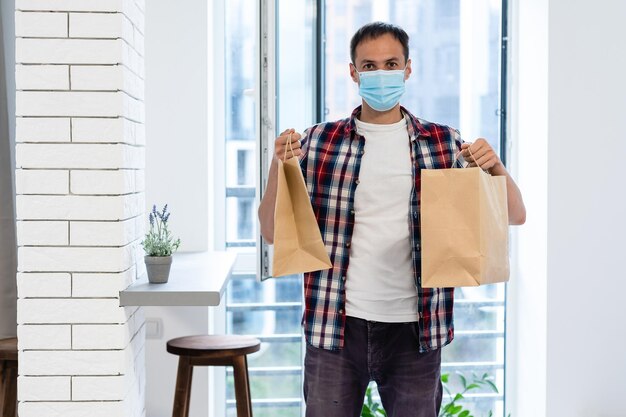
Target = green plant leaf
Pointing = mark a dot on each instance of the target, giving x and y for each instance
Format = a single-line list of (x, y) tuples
[(444, 378), (458, 397), (472, 386), (463, 380), (492, 385), (464, 413), (365, 412), (456, 409)]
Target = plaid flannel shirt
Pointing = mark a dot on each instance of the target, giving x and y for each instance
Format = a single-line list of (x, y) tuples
[(330, 164)]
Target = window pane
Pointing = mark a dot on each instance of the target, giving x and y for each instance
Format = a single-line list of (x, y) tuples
[(240, 159), (455, 80), (445, 36)]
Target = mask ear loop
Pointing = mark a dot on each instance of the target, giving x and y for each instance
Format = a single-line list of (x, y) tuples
[(290, 147)]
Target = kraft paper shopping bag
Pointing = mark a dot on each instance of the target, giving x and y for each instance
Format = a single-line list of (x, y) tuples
[(298, 245), (464, 228)]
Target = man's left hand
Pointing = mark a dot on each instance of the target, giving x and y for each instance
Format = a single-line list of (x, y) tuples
[(482, 155)]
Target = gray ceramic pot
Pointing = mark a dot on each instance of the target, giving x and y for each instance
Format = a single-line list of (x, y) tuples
[(158, 268)]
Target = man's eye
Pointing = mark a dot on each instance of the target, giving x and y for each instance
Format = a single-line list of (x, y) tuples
[(368, 66), (393, 64)]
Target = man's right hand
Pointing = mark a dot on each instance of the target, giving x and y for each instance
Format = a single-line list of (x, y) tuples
[(280, 145)]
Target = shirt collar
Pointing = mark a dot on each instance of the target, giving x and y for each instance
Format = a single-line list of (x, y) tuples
[(415, 128)]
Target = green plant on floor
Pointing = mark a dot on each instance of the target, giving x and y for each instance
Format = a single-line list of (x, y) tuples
[(450, 407), (371, 407), (159, 240)]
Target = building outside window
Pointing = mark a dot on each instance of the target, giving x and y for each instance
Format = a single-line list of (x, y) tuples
[(456, 79)]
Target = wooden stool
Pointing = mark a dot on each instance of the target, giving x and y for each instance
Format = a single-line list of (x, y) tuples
[(218, 350), (8, 376)]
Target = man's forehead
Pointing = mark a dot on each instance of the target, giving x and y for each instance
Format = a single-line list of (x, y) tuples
[(382, 48)]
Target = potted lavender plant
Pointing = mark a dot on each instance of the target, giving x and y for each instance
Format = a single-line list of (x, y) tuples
[(159, 246)]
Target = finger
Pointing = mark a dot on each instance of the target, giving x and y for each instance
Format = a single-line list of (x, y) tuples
[(486, 162), (480, 152)]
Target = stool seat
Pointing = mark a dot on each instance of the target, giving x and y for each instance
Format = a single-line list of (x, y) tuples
[(213, 350), (213, 346), (8, 377), (8, 349)]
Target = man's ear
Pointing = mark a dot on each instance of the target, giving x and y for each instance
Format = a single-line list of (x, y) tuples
[(353, 73), (407, 70)]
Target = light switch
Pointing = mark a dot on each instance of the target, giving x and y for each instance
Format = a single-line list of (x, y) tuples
[(154, 328)]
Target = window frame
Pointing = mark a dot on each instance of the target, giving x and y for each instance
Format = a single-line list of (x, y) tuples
[(265, 114)]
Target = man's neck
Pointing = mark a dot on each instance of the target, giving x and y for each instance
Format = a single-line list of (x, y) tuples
[(368, 115)]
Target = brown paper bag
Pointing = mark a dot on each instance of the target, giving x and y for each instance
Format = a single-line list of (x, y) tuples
[(298, 245), (464, 228)]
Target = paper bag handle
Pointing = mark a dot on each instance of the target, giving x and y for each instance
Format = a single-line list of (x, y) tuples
[(290, 147), (456, 158)]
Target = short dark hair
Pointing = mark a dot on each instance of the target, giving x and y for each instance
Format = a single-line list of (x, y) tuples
[(375, 30)]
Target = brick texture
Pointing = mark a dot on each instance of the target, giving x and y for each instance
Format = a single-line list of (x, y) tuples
[(80, 206)]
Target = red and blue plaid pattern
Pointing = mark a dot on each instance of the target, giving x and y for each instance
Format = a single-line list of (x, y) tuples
[(330, 164)]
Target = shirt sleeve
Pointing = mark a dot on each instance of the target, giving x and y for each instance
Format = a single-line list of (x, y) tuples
[(304, 146), (458, 160)]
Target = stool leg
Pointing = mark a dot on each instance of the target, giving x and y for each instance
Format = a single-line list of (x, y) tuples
[(9, 388), (183, 388), (242, 386)]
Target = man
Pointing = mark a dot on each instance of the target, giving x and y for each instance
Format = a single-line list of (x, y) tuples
[(368, 318)]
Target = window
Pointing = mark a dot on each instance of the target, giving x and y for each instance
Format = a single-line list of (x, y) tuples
[(270, 310), (455, 53), (456, 79)]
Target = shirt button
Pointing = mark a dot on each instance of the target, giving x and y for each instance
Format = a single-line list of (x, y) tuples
[(358, 181), (341, 311), (362, 151), (352, 211), (343, 278), (418, 247), (348, 245)]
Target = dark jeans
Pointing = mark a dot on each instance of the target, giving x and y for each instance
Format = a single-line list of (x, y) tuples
[(409, 382)]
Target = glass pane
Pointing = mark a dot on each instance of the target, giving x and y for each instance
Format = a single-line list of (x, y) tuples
[(455, 80), (240, 219), (240, 159), (445, 36), (295, 64)]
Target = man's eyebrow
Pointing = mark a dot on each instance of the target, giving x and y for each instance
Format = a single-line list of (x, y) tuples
[(371, 61)]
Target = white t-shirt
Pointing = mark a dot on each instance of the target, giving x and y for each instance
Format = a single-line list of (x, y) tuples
[(380, 285)]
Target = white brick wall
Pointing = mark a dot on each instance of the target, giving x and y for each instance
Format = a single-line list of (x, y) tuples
[(80, 202), (42, 77), (46, 388), (41, 129)]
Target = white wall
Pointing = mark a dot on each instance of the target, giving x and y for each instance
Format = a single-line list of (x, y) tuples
[(586, 348), (178, 173), (527, 290), (80, 200), (567, 322), (8, 255), (176, 94)]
